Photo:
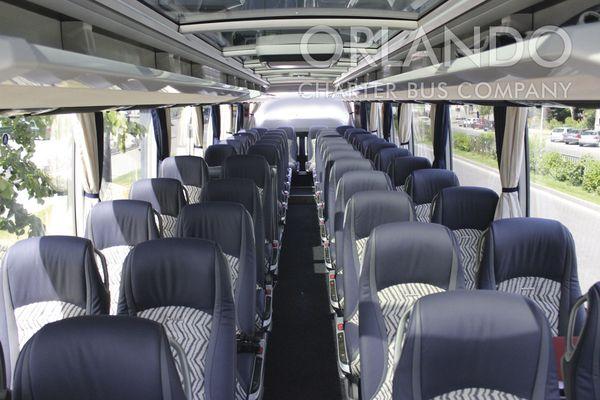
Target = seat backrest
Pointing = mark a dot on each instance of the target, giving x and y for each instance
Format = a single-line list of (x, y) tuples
[(272, 155), (342, 129), (339, 168), (332, 157), (400, 169), (385, 156), (98, 357), (114, 227), (191, 171), (237, 144), (256, 168), (353, 131), (167, 197), (580, 362), (536, 258), (311, 141), (403, 262), (184, 285), (364, 143), (45, 279), (459, 345), (424, 184), (230, 226), (244, 192), (468, 212), (215, 155), (375, 147)]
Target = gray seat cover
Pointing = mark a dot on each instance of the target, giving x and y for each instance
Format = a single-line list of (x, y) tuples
[(191, 171), (424, 184)]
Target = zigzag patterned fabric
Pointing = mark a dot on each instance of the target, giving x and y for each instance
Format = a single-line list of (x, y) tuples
[(361, 247), (194, 193), (240, 393), (115, 256), (423, 212), (234, 270), (190, 328), (545, 293), (395, 301), (400, 188), (32, 317), (469, 242), (477, 394), (168, 224)]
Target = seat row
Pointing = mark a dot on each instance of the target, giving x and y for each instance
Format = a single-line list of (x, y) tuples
[(172, 281), (383, 254)]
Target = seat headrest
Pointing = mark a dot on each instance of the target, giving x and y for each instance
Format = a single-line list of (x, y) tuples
[(121, 223), (424, 184), (376, 147), (467, 340), (164, 194), (343, 165), (175, 272), (261, 131), (342, 129), (289, 131), (115, 357), (314, 130), (400, 168), (531, 247), (226, 223), (359, 181), (252, 166), (189, 170), (465, 207), (55, 268), (268, 151), (413, 252), (385, 156), (354, 131), (376, 207), (217, 153), (237, 190), (237, 144)]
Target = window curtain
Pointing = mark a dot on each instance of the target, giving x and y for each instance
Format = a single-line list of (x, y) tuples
[(387, 120), (405, 124), (252, 108), (374, 118), (499, 124), (350, 108), (364, 121), (215, 118), (441, 131), (161, 126), (90, 143), (239, 117), (232, 119), (199, 139), (511, 160)]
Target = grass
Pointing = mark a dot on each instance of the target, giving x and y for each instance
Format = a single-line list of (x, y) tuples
[(542, 180), (127, 179)]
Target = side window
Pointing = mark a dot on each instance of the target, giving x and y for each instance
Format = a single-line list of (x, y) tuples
[(565, 180), (129, 152), (474, 146), (423, 131), (37, 155)]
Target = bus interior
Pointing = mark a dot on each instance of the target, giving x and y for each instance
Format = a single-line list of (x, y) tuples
[(299, 199)]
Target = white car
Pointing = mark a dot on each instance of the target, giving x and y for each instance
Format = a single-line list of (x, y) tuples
[(589, 138), (557, 134)]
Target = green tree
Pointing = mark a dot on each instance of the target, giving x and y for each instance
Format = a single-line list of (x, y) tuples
[(18, 173), (485, 111)]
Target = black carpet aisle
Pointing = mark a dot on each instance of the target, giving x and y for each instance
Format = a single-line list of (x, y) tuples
[(301, 355)]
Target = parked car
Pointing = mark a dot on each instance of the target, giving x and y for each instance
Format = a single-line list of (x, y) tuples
[(557, 134), (572, 136), (590, 138)]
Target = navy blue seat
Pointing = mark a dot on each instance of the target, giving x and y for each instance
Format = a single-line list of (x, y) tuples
[(384, 158), (237, 144), (343, 128), (191, 171), (167, 197), (184, 284), (99, 358), (581, 360), (292, 142), (400, 169), (46, 279), (114, 227), (536, 258), (353, 131), (215, 155), (375, 147), (403, 262), (465, 345), (468, 212), (424, 184)]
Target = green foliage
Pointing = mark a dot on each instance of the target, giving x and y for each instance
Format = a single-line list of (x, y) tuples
[(462, 141), (485, 110), (591, 177), (18, 173), (483, 143), (120, 127), (584, 172), (558, 114), (584, 119)]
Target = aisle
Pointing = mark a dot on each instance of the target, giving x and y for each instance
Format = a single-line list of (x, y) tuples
[(301, 356)]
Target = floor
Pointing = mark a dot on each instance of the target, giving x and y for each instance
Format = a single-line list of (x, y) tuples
[(301, 360)]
